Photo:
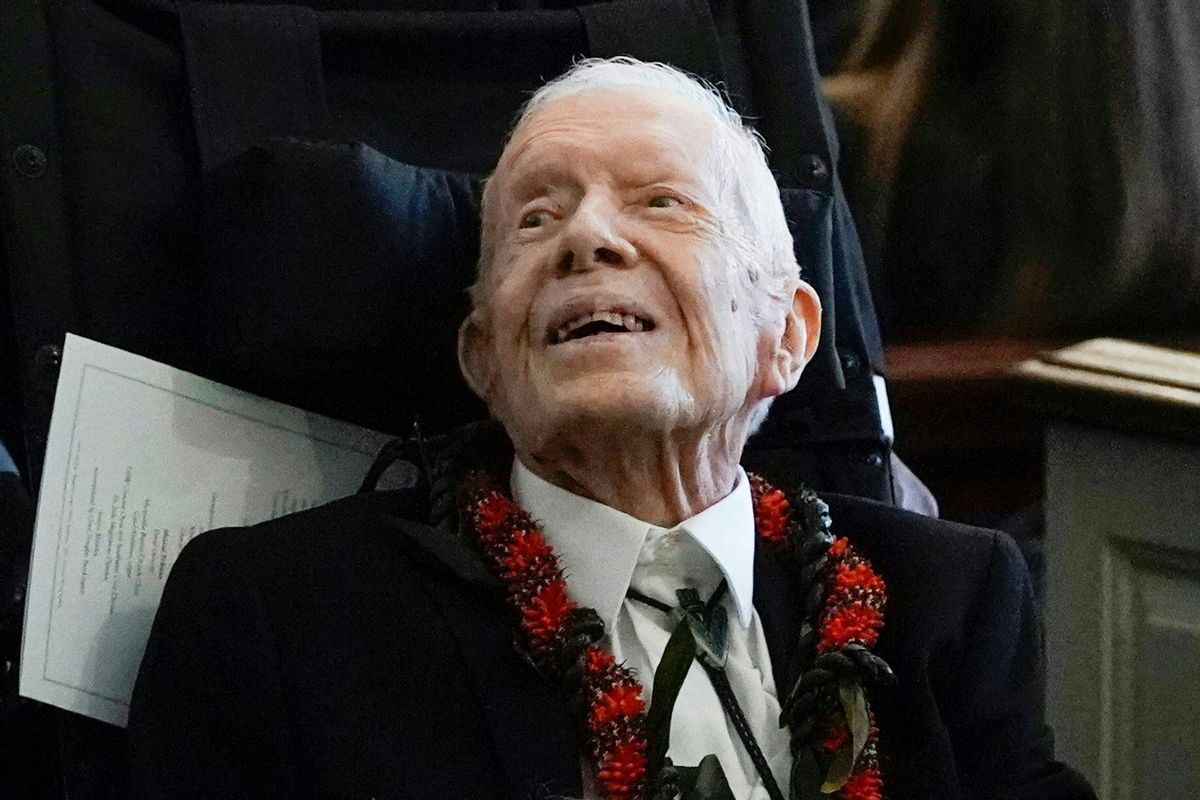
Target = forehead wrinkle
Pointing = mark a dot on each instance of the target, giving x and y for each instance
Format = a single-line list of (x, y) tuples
[(521, 182), (565, 130), (573, 118)]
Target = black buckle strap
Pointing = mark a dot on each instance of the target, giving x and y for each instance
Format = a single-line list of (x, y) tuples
[(253, 71), (678, 32)]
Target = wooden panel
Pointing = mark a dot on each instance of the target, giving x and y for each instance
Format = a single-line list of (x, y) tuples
[(1166, 656), (958, 427), (1121, 384), (1150, 698), (1123, 609)]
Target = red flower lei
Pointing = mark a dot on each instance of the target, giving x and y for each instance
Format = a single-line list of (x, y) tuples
[(616, 740)]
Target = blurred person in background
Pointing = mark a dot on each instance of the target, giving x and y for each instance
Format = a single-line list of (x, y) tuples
[(1022, 168)]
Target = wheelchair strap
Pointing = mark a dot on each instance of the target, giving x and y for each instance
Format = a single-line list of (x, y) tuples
[(795, 120), (678, 32), (253, 71)]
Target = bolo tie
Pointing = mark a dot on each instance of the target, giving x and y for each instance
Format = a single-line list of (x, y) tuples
[(710, 628)]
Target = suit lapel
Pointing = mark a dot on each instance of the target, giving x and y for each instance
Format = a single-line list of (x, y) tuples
[(524, 713), (780, 605)]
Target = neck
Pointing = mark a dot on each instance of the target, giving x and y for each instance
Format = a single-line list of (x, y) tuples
[(661, 480)]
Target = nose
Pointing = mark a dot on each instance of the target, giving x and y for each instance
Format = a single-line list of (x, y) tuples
[(593, 239)]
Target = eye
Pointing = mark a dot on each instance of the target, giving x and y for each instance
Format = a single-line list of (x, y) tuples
[(535, 219), (664, 201)]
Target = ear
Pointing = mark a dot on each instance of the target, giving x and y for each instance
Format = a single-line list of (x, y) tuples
[(473, 351), (796, 344)]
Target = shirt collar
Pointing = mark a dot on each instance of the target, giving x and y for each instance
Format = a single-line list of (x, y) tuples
[(726, 532), (598, 546)]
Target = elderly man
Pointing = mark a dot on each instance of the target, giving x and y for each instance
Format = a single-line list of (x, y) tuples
[(593, 598)]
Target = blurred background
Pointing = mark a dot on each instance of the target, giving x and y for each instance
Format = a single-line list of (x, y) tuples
[(1024, 175)]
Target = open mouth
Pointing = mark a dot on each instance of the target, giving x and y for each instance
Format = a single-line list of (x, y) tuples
[(595, 323)]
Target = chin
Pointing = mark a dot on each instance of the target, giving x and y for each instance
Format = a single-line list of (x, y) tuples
[(605, 405)]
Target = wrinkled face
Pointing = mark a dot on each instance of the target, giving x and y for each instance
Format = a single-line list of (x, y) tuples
[(610, 296)]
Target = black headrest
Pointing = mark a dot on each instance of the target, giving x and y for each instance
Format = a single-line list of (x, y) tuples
[(336, 279)]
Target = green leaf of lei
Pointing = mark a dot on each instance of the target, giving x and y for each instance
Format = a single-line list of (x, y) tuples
[(705, 781), (806, 776), (839, 771), (668, 679), (854, 709), (854, 706)]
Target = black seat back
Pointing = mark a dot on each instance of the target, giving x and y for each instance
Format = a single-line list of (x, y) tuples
[(282, 198)]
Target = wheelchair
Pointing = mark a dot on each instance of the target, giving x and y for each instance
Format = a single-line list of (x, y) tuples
[(284, 198)]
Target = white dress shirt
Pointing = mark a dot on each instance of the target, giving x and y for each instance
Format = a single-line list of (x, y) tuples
[(604, 552)]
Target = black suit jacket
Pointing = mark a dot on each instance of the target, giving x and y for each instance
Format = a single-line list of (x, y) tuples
[(348, 651)]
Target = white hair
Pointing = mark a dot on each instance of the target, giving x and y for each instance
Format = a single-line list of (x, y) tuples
[(751, 223)]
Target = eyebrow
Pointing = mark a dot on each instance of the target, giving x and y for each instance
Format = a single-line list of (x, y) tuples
[(543, 180), (531, 178), (536, 182)]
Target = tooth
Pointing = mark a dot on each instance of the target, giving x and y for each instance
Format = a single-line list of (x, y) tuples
[(629, 321)]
